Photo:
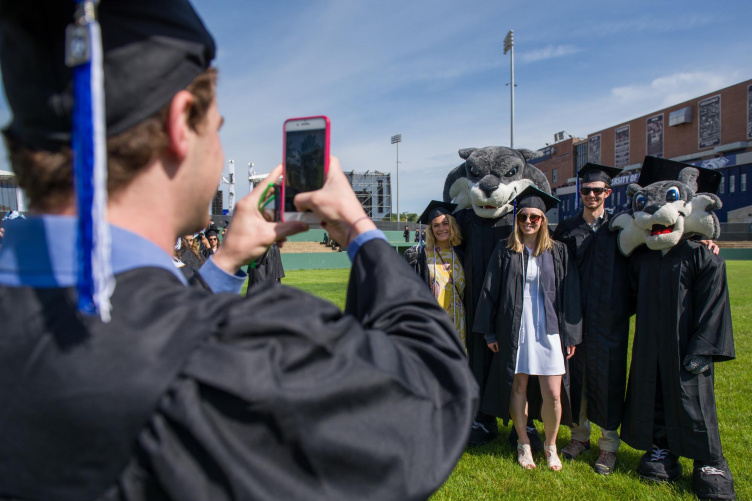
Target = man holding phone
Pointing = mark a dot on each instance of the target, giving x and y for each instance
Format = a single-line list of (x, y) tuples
[(186, 394)]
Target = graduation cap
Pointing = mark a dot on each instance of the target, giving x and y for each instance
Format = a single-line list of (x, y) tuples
[(76, 72), (532, 197), (211, 232), (435, 209), (590, 173), (656, 169)]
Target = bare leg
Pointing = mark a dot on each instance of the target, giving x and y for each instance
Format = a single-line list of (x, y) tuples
[(551, 411), (518, 407)]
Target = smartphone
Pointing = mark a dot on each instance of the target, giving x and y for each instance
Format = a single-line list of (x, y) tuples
[(306, 162)]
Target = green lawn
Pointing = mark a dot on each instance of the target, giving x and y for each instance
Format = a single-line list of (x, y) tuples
[(491, 471)]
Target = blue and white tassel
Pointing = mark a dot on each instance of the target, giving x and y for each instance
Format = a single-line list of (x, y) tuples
[(84, 53)]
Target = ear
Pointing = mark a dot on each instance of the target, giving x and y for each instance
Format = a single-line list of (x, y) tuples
[(688, 176), (632, 189), (530, 154), (466, 152), (178, 131), (537, 177)]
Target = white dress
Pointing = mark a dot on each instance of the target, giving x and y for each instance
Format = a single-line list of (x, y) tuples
[(538, 353)]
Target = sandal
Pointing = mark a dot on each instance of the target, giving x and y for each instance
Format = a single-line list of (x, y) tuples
[(525, 456), (552, 457)]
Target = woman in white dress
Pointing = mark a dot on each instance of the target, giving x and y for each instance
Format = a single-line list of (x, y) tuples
[(530, 316)]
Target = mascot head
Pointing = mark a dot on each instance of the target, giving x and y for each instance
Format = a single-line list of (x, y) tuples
[(490, 178), (666, 207)]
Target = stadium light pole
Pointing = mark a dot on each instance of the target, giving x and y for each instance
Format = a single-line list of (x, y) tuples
[(397, 139), (509, 47)]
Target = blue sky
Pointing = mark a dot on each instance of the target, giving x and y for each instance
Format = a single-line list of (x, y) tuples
[(434, 71)]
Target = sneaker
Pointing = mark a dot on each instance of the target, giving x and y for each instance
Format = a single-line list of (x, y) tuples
[(713, 481), (575, 448), (536, 444), (660, 465), (480, 434), (605, 463)]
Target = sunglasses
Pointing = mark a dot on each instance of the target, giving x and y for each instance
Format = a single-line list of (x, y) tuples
[(595, 191), (212, 238), (534, 218)]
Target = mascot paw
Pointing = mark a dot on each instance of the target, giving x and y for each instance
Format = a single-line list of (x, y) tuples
[(697, 364)]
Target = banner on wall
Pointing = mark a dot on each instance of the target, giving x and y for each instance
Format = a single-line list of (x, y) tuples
[(709, 122), (655, 136), (749, 111), (621, 146), (594, 149)]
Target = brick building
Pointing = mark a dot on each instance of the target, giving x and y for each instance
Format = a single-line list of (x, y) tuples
[(713, 130)]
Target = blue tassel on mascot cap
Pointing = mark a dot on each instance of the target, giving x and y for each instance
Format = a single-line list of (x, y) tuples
[(88, 142)]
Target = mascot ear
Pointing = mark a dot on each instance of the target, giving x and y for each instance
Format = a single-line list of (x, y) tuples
[(466, 152), (701, 219), (530, 154), (632, 189), (688, 176), (630, 236)]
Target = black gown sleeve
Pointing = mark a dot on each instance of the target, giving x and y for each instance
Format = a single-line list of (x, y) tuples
[(293, 399), (713, 333), (571, 324), (490, 295)]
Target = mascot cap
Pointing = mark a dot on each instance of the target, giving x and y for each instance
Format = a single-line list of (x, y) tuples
[(436, 209), (590, 173), (151, 49), (532, 197), (660, 169)]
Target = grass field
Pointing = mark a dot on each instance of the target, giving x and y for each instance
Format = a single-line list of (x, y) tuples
[(491, 471)]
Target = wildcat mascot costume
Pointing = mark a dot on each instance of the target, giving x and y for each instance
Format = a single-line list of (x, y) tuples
[(683, 325), (483, 187)]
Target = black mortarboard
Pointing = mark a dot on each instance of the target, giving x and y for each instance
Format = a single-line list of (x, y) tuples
[(656, 169), (435, 209), (533, 197), (152, 49), (590, 173), (211, 232)]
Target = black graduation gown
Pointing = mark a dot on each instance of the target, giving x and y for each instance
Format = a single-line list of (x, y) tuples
[(601, 359), (682, 309), (193, 396), (500, 312), (479, 238), (268, 267)]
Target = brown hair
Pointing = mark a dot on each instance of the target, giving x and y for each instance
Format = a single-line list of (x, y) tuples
[(542, 239), (47, 177), (455, 236)]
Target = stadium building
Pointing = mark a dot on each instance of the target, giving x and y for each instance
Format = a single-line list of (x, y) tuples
[(713, 131)]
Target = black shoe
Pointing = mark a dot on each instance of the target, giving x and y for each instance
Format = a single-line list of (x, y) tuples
[(481, 433), (660, 465), (536, 444), (713, 481)]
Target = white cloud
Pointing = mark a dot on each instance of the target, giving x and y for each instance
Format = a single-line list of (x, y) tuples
[(550, 52), (673, 89)]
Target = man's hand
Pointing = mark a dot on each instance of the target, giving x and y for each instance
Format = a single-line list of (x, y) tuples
[(336, 204), (494, 347), (712, 246), (570, 351), (250, 234)]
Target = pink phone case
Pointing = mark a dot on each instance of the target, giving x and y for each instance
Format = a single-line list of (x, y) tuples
[(309, 216)]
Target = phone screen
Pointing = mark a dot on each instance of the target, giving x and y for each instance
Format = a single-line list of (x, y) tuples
[(305, 157)]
